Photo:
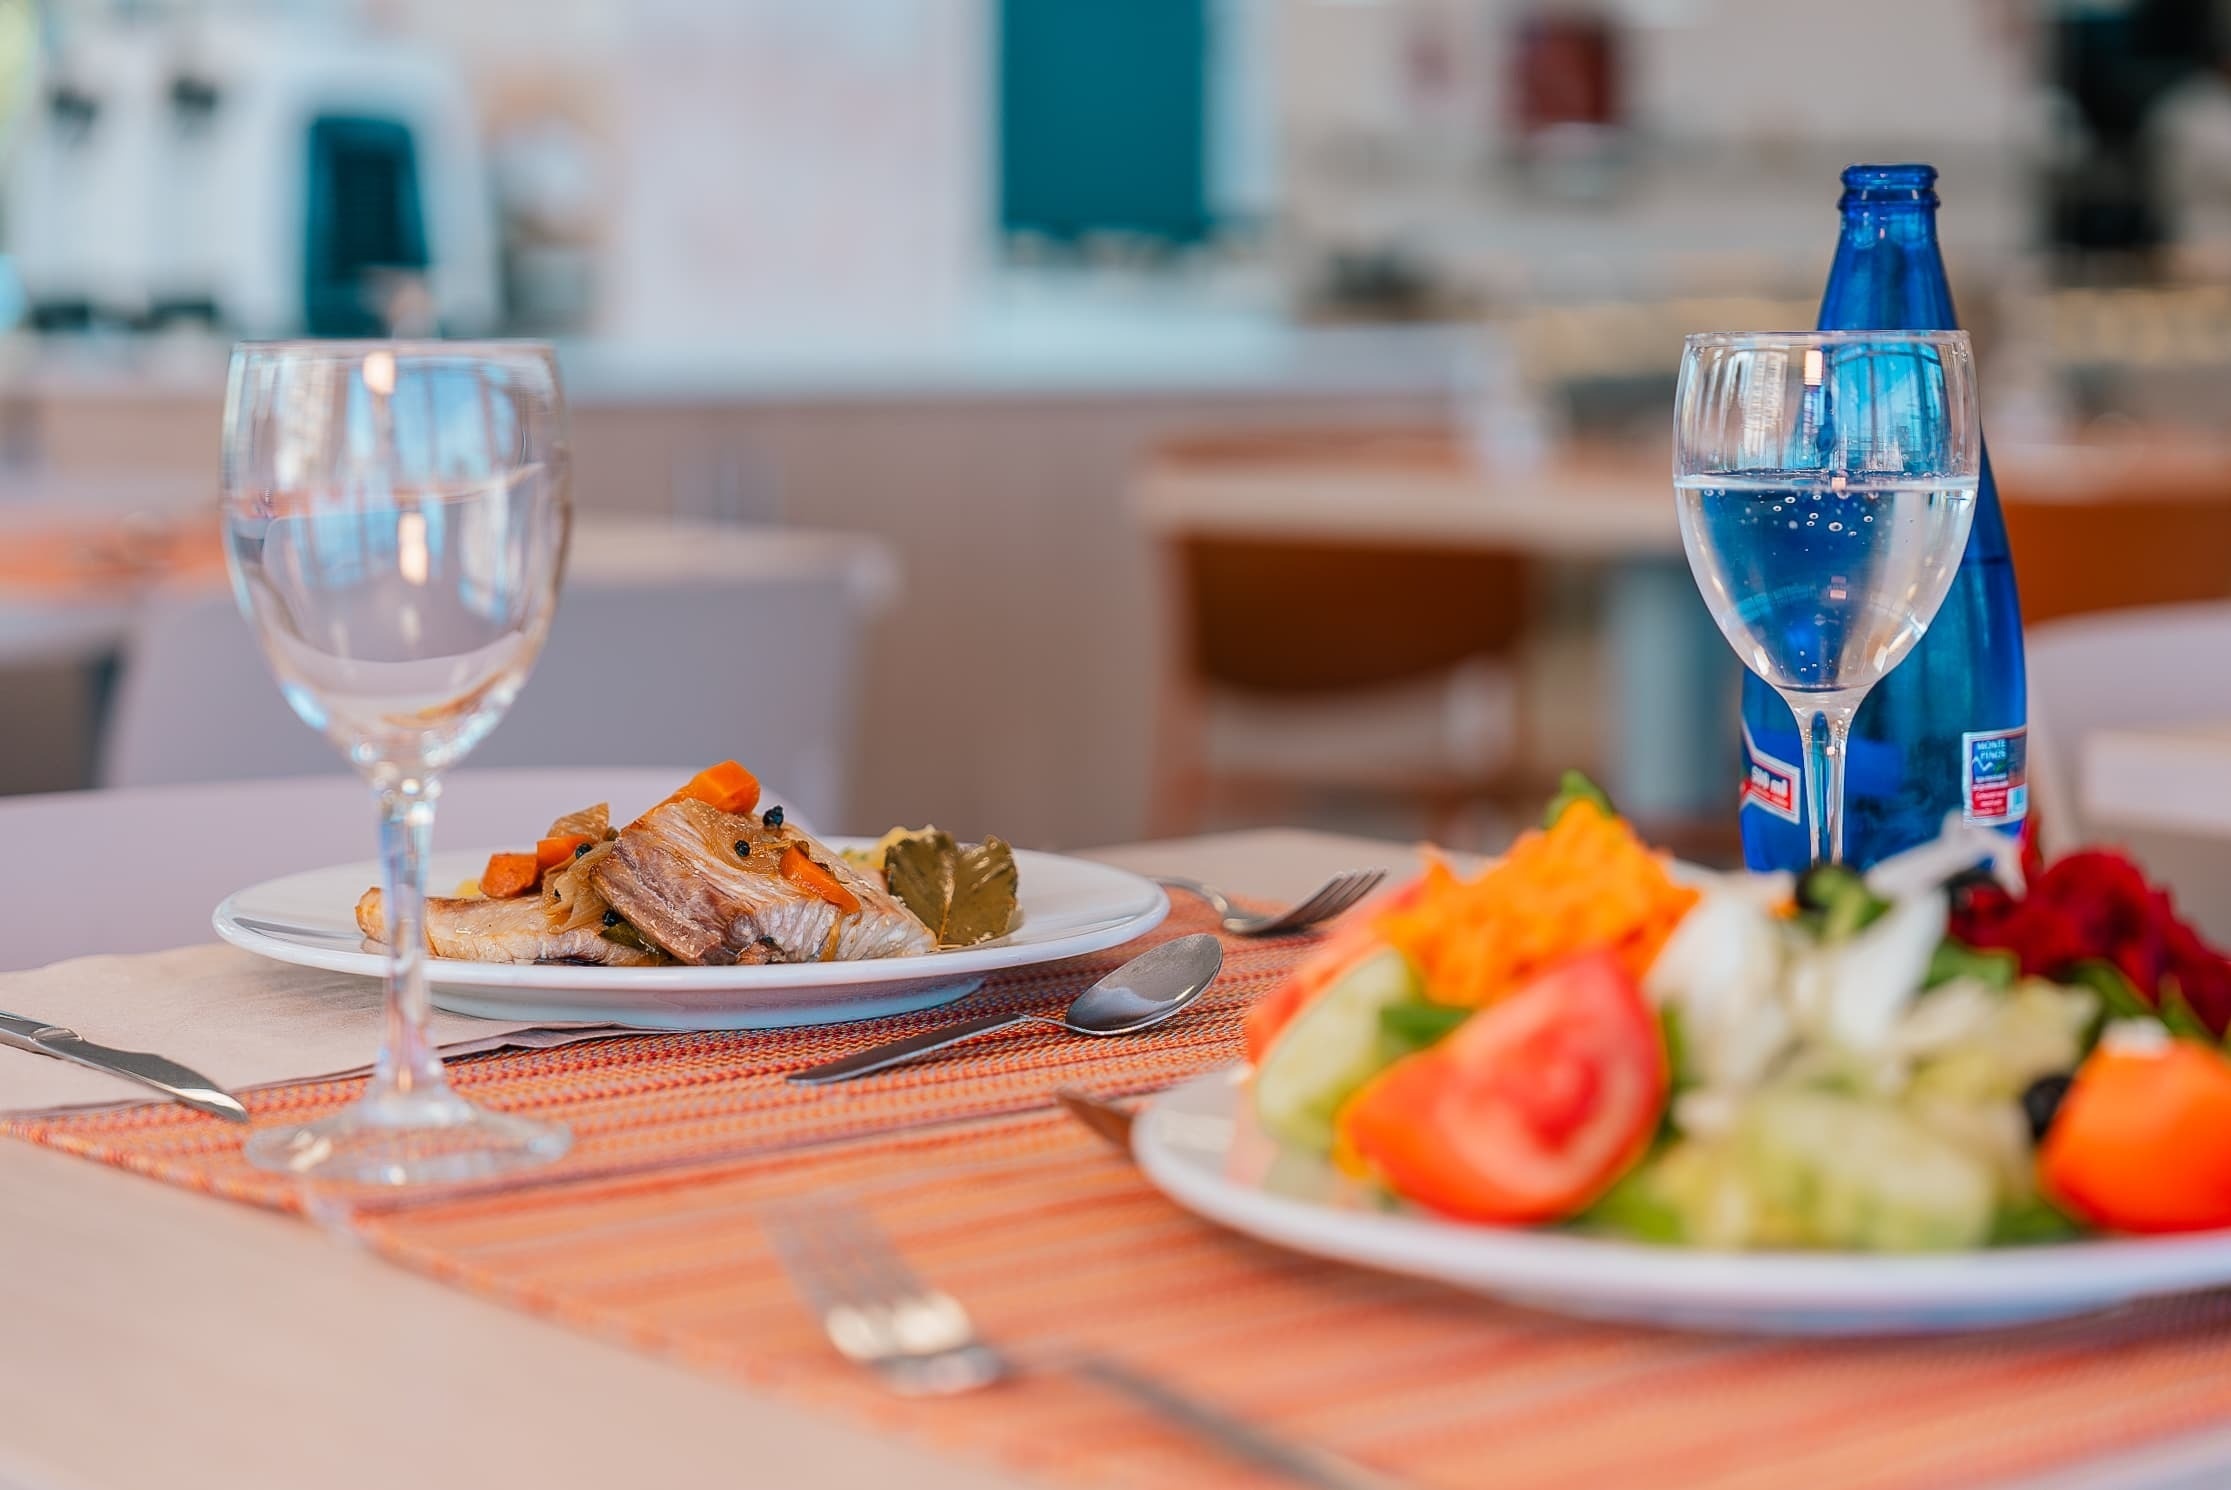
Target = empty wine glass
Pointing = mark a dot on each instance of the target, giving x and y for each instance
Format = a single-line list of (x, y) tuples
[(395, 521), (1825, 480)]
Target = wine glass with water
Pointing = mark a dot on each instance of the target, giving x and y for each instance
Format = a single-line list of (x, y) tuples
[(395, 519), (1826, 480)]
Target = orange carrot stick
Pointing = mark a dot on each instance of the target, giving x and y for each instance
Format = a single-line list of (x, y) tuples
[(508, 875), (727, 786), (555, 853), (803, 872)]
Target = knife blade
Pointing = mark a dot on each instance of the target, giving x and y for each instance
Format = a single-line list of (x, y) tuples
[(1103, 1117), (179, 1083)]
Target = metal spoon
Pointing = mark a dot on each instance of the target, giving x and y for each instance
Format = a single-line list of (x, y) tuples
[(1138, 995)]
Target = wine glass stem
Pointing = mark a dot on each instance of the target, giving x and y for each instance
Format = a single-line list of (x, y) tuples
[(1824, 722), (408, 1064)]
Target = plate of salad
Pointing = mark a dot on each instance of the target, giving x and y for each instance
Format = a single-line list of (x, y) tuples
[(1965, 1089)]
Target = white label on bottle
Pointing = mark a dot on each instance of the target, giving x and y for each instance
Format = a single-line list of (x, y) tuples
[(1995, 776), (1769, 784)]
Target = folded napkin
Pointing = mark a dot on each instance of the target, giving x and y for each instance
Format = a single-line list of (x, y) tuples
[(238, 1019)]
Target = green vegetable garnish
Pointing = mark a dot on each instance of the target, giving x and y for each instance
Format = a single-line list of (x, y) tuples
[(1638, 1207), (1574, 786), (1833, 899), (2030, 1221), (1415, 1024), (1954, 959)]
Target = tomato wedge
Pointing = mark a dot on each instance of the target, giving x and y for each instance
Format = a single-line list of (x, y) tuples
[(1530, 1110), (2142, 1141)]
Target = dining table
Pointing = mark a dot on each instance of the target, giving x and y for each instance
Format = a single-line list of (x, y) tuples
[(163, 1333), (244, 1347)]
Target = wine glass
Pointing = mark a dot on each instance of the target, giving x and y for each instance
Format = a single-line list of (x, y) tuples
[(1825, 480), (395, 522)]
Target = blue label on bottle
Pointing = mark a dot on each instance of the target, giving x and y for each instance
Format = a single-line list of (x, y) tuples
[(1769, 784), (1995, 773)]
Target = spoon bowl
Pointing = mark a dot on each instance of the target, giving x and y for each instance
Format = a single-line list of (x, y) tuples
[(1158, 983), (1146, 991)]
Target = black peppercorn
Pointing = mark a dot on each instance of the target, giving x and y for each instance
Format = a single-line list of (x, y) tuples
[(771, 818), (581, 848), (611, 918), (743, 848)]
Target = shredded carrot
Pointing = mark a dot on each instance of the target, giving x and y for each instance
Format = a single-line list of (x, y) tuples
[(799, 868), (727, 786), (1587, 882), (555, 853), (508, 876)]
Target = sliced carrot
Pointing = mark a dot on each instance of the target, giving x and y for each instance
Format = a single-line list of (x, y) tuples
[(508, 876), (727, 786), (555, 853), (814, 879)]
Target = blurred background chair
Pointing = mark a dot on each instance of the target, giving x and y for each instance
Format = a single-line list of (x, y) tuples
[(2134, 668), (2141, 670), (671, 645), (1376, 675)]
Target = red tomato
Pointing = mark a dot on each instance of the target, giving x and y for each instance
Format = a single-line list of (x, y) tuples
[(1356, 940), (2142, 1141), (1530, 1110)]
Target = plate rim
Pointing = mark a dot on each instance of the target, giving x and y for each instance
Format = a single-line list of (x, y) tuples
[(1541, 1267), (1152, 908)]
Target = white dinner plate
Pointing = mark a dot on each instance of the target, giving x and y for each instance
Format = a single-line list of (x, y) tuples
[(1199, 1142), (1069, 907)]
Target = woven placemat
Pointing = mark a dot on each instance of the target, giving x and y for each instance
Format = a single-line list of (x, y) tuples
[(651, 1234)]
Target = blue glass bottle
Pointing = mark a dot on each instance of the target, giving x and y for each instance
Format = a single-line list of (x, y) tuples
[(1945, 731)]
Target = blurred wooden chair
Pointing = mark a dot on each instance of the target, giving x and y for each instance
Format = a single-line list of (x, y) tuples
[(1314, 664), (2102, 528)]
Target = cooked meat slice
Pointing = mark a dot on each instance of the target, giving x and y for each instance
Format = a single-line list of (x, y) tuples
[(589, 822), (676, 874), (528, 928)]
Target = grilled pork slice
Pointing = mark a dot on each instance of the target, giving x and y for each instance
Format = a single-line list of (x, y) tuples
[(564, 922), (708, 887)]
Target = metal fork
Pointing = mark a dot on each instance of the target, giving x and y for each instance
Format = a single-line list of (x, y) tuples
[(1328, 900), (921, 1342)]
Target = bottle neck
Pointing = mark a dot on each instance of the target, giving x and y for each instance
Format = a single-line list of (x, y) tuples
[(1888, 274)]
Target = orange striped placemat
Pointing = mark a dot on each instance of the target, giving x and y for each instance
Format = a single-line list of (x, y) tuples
[(651, 1234)]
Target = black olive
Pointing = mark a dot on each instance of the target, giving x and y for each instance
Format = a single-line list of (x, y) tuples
[(771, 818), (743, 848), (581, 848), (2041, 1102), (611, 918)]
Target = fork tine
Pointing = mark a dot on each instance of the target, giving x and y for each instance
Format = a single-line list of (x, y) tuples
[(1359, 884), (1331, 898)]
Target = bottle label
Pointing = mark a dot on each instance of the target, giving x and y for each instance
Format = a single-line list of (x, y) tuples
[(1994, 772), (1769, 784)]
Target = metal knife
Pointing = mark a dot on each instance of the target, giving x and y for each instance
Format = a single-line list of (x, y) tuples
[(1103, 1117), (179, 1083)]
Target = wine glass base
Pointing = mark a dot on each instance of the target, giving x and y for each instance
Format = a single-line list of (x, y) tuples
[(422, 1138)]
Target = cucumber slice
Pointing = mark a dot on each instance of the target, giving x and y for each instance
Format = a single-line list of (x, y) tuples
[(1329, 1050)]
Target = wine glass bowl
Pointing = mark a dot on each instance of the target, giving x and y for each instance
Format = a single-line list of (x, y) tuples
[(396, 517), (1825, 483)]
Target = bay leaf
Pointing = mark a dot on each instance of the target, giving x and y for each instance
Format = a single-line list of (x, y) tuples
[(963, 895)]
